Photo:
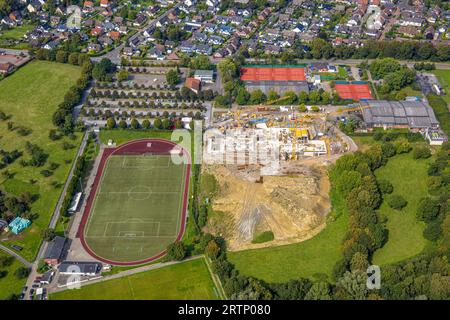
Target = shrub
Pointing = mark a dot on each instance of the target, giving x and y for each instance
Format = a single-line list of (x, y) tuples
[(46, 173), (397, 202), (22, 273), (176, 251), (421, 152), (428, 209), (385, 186), (432, 231)]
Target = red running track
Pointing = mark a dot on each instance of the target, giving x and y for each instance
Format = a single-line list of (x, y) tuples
[(158, 146)]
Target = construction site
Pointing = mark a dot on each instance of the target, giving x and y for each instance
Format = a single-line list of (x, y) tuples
[(270, 163), (263, 135)]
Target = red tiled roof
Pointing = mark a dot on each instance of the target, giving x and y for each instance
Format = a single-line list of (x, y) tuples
[(192, 83)]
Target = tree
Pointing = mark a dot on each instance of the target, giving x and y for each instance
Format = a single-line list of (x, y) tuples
[(61, 56), (212, 249), (122, 75), (49, 234), (421, 152), (73, 58), (272, 95), (123, 124), (6, 261), (319, 291), (289, 97), (157, 123), (292, 290), (228, 69), (354, 284), (200, 62), (172, 77), (402, 145), (388, 149), (359, 262), (428, 209), (397, 202), (321, 49), (111, 123), (176, 251), (146, 124), (439, 287), (166, 124), (134, 124), (257, 97), (102, 69), (385, 186), (242, 96), (21, 273), (432, 231)]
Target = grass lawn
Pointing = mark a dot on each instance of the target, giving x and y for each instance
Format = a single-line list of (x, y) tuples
[(16, 33), (120, 136), (307, 259), (410, 92), (444, 79), (185, 281), (10, 284), (409, 178), (31, 96)]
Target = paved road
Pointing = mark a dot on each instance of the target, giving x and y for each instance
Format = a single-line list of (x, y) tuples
[(129, 272), (17, 256)]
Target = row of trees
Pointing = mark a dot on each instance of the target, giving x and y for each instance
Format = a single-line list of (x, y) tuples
[(183, 94), (79, 172), (124, 114), (158, 124), (135, 86), (323, 49), (289, 97)]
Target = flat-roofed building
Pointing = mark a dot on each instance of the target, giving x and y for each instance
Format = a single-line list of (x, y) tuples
[(80, 268), (204, 75), (415, 115)]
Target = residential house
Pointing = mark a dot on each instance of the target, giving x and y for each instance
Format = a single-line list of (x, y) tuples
[(157, 52), (104, 3), (6, 68), (88, 6), (114, 35), (51, 45)]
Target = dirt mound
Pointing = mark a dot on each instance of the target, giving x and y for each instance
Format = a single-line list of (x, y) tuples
[(293, 206)]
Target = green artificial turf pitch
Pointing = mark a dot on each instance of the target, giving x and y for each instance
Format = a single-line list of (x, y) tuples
[(137, 207)]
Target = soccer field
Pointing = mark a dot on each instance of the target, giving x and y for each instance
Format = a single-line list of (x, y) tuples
[(137, 209)]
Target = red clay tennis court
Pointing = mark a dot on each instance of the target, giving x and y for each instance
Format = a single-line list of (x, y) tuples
[(354, 91), (272, 74)]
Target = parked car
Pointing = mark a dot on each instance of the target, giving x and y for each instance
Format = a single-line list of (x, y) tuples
[(16, 247)]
